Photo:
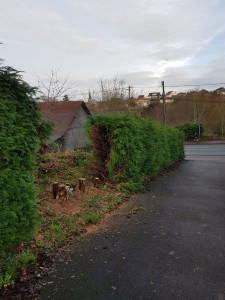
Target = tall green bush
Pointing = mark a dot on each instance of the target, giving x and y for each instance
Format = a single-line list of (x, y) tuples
[(21, 131), (190, 128), (138, 146)]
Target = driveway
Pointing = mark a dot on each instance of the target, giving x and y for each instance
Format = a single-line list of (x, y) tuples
[(165, 243)]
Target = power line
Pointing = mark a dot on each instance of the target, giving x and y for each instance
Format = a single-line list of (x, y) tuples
[(145, 87), (188, 85), (203, 84), (123, 89)]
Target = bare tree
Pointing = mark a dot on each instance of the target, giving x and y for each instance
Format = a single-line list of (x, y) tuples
[(55, 88), (111, 96), (112, 88)]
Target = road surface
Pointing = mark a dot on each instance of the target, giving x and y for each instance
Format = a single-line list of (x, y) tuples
[(165, 243)]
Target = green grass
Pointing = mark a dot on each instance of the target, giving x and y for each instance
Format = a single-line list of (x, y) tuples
[(91, 218)]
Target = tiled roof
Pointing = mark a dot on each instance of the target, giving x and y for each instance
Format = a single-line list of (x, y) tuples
[(141, 99), (62, 113)]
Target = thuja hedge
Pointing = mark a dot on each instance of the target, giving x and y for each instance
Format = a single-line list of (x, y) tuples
[(190, 128), (21, 131), (138, 147)]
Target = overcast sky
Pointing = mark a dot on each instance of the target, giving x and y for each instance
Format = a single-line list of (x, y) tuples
[(141, 41)]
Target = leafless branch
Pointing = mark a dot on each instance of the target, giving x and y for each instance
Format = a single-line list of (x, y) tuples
[(54, 88)]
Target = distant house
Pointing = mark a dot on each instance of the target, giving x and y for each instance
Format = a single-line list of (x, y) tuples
[(150, 99), (143, 101), (70, 118), (220, 91), (170, 94), (155, 97)]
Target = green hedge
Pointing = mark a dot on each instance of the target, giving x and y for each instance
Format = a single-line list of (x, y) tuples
[(138, 146), (190, 128), (21, 131)]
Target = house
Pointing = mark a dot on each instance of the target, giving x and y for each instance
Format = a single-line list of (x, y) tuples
[(143, 101), (170, 94), (155, 97), (70, 118), (150, 99), (169, 97), (220, 91)]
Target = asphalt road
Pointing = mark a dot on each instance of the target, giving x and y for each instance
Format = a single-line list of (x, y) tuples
[(165, 243), (205, 152)]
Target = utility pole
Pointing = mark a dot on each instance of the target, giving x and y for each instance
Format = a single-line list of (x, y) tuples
[(129, 88), (164, 103)]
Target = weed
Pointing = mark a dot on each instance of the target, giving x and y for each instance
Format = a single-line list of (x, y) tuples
[(67, 153), (52, 213), (75, 230), (45, 180), (25, 258), (11, 264), (5, 279), (105, 209), (91, 202), (116, 201), (40, 244), (56, 228), (91, 218), (105, 187)]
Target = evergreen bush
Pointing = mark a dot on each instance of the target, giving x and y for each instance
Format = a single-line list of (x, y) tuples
[(21, 131), (138, 147), (190, 128)]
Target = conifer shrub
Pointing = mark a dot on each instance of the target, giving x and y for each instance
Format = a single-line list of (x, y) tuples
[(190, 128), (21, 131), (131, 147)]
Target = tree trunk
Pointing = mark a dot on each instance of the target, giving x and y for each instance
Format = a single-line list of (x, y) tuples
[(62, 193), (82, 184), (55, 189)]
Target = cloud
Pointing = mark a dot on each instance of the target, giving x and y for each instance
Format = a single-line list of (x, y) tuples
[(161, 36), (144, 40), (42, 26)]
